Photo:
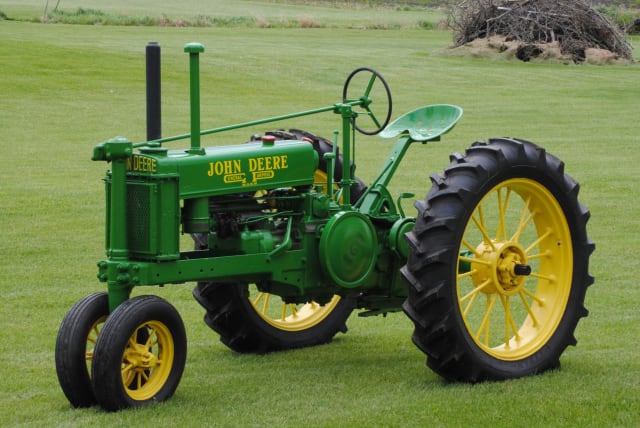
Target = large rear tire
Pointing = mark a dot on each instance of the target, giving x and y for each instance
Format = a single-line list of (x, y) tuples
[(251, 321), (498, 264)]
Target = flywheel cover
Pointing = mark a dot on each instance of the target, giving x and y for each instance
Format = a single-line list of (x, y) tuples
[(348, 248)]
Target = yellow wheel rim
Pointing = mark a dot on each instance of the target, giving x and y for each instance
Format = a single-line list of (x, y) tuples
[(515, 269), (147, 360), (92, 338), (288, 316)]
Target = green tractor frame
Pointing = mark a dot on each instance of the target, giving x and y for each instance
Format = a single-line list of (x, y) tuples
[(492, 270)]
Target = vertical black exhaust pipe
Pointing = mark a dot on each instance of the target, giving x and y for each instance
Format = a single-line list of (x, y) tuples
[(154, 99)]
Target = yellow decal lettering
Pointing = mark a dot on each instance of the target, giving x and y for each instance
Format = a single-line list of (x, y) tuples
[(138, 163), (225, 167), (261, 168)]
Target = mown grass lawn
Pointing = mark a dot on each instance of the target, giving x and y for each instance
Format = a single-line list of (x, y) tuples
[(66, 88)]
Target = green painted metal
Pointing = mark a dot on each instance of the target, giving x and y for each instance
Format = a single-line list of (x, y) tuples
[(424, 124), (265, 219), (349, 249), (226, 170), (194, 50)]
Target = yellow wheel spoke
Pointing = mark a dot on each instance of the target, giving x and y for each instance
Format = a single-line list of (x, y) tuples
[(483, 231), (508, 321), (528, 307), (153, 340), (265, 304), (93, 334), (501, 232), (525, 218), (294, 312), (283, 315), (533, 296), (537, 241), (481, 217), (476, 290), (471, 248), (475, 260), (467, 274), (550, 278), (126, 369), (484, 325), (470, 305), (258, 298), (133, 339), (539, 255)]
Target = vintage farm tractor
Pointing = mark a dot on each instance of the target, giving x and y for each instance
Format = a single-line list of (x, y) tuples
[(492, 270)]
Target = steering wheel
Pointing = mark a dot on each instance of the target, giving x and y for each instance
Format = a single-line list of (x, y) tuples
[(374, 85)]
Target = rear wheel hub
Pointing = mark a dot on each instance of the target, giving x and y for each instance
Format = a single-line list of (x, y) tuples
[(501, 268)]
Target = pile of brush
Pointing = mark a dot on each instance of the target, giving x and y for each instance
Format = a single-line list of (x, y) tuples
[(573, 24)]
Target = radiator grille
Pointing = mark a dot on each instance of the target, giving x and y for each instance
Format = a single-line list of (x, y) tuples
[(152, 219), (139, 218)]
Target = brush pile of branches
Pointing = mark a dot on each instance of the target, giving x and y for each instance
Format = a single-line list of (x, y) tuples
[(573, 24)]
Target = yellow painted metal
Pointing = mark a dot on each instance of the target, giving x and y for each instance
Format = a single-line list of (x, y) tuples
[(290, 317), (92, 338), (146, 366), (511, 315)]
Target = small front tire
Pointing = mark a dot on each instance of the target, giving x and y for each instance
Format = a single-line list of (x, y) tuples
[(140, 354), (75, 343)]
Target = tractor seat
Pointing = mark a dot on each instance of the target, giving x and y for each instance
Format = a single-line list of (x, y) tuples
[(424, 124)]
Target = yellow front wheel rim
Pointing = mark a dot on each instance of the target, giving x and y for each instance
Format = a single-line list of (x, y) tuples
[(515, 269), (147, 360), (92, 338)]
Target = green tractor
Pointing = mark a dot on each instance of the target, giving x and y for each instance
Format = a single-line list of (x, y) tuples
[(492, 270)]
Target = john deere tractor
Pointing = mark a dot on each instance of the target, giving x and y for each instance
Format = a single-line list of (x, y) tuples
[(492, 268)]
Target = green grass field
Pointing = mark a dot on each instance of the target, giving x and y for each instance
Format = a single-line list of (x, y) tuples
[(66, 88)]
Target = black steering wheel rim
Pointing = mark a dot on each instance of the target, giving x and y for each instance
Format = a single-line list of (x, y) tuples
[(366, 101)]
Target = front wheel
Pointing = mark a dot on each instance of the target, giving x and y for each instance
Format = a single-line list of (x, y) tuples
[(75, 343), (498, 267), (140, 354)]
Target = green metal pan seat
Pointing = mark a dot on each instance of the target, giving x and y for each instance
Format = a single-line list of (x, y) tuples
[(426, 123)]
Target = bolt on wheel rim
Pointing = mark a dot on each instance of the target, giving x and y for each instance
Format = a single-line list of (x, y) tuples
[(515, 269)]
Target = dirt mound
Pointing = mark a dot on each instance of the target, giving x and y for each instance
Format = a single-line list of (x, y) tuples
[(496, 47)]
